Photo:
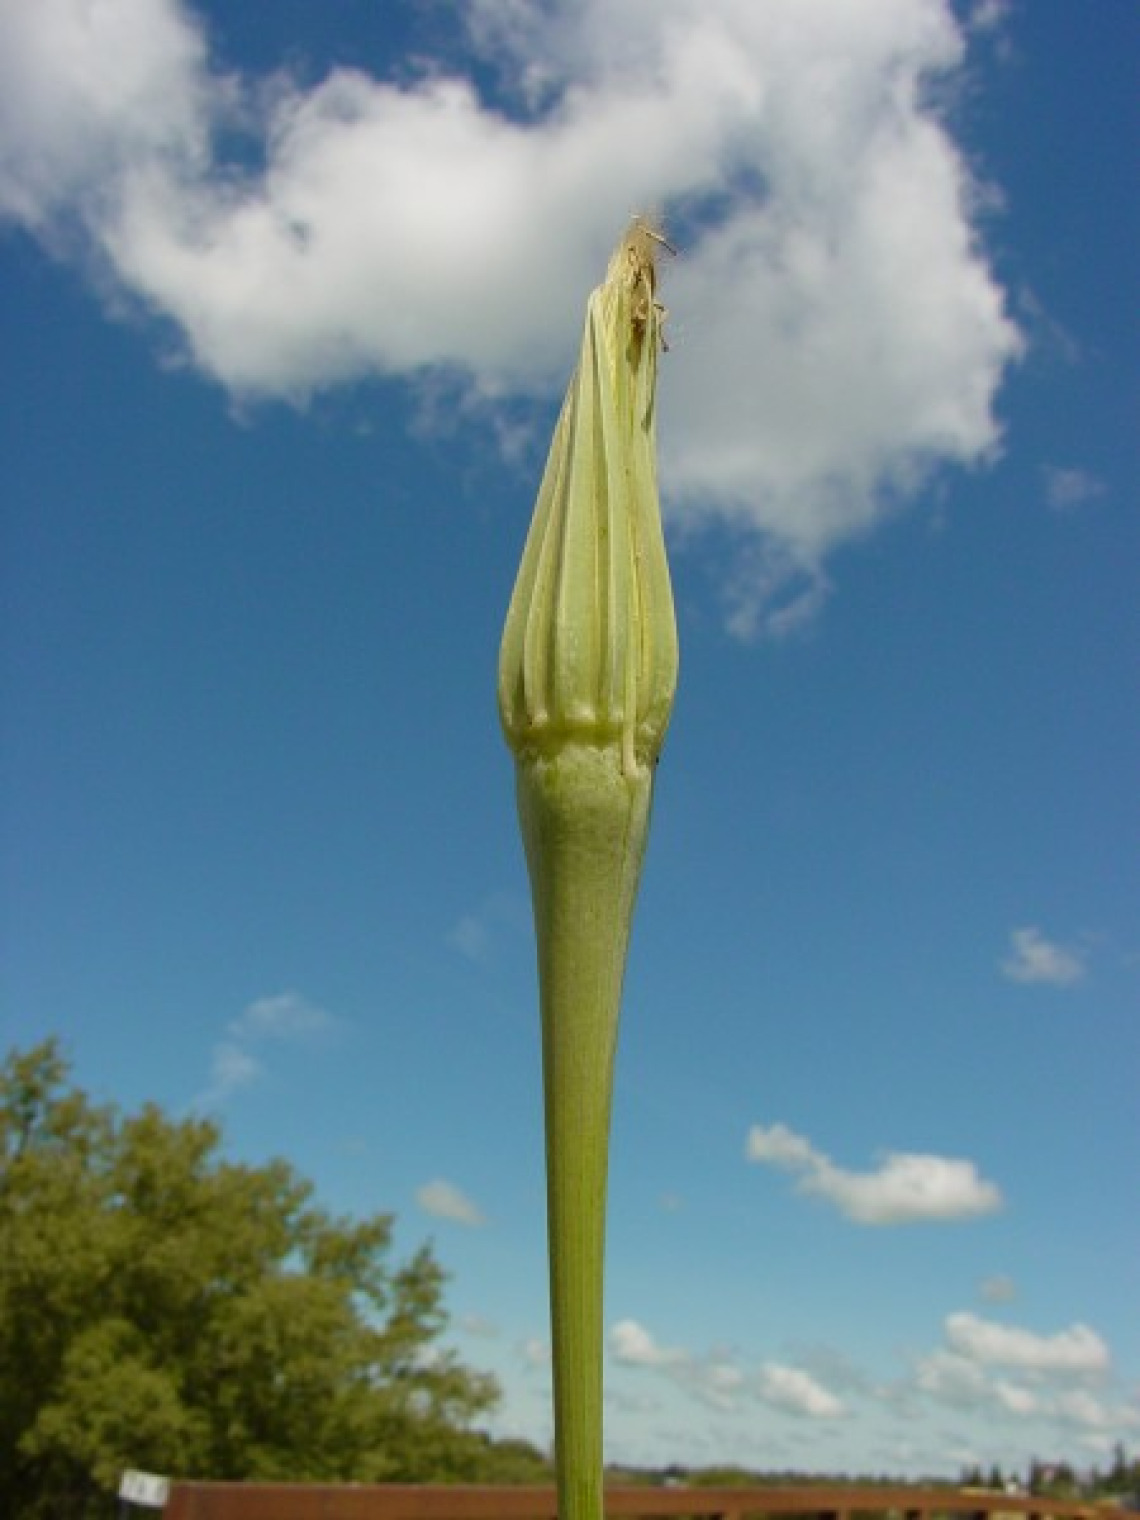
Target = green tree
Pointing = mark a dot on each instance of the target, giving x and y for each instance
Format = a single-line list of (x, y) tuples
[(513, 1460), (164, 1308)]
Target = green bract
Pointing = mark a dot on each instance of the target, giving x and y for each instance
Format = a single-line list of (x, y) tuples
[(587, 674)]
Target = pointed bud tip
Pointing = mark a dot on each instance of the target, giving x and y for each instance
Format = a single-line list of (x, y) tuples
[(635, 257)]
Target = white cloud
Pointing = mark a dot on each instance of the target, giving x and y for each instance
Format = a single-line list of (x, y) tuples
[(777, 1145), (632, 1345), (232, 1067), (1079, 1407), (987, 1343), (725, 1377), (92, 94), (285, 1016), (1016, 1399), (905, 1188), (717, 1381), (238, 1059), (1067, 489), (960, 1382), (989, 15), (910, 1187), (445, 1201), (952, 1378), (797, 1392), (838, 332), (1050, 1389), (1033, 958)]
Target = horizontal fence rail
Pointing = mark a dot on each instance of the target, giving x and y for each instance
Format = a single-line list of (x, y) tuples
[(407, 1501)]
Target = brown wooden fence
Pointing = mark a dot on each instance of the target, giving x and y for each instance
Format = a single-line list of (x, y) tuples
[(398, 1501)]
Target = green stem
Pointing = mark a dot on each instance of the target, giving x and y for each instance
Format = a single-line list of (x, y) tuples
[(585, 821)]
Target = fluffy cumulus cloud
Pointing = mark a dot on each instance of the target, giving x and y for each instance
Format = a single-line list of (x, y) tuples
[(443, 1200), (838, 331), (1011, 1387), (988, 1343), (717, 1381), (797, 1392), (1034, 958), (633, 1346), (904, 1188), (1059, 1382)]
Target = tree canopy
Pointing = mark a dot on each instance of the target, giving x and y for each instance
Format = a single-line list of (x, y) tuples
[(165, 1308)]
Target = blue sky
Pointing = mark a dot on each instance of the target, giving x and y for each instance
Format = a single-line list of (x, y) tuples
[(288, 297)]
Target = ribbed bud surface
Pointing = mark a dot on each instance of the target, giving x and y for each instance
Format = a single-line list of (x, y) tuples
[(589, 649)]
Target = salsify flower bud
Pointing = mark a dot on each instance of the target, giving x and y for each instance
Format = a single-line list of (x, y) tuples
[(587, 673), (590, 645)]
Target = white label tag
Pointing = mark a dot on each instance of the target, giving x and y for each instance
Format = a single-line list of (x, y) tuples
[(144, 1488)]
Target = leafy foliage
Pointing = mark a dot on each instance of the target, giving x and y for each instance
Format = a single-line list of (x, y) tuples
[(167, 1309)]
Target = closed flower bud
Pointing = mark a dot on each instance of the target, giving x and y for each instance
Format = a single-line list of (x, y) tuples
[(589, 649)]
